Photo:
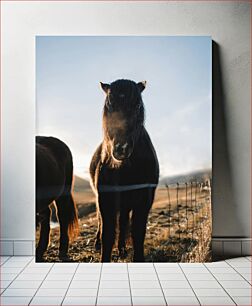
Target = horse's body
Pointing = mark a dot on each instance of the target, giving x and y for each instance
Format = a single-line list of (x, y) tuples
[(54, 175), (124, 169)]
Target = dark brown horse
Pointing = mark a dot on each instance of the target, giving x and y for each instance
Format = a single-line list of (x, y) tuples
[(124, 169), (54, 175)]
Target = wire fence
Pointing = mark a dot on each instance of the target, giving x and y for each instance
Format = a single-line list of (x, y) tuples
[(189, 219)]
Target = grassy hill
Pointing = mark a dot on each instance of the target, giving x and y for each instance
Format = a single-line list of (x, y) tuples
[(199, 176)]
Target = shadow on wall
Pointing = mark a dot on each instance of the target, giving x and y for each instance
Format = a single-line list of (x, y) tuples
[(226, 220)]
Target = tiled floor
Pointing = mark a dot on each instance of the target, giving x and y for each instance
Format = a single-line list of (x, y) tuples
[(24, 282)]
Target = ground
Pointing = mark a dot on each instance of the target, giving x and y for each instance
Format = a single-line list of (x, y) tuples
[(178, 230)]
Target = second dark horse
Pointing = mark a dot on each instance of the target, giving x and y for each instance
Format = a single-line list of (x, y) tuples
[(54, 176), (124, 170)]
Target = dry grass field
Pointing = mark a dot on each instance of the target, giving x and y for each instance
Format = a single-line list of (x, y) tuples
[(179, 226)]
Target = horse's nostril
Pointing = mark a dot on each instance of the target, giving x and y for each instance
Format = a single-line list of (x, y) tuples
[(124, 146), (121, 148)]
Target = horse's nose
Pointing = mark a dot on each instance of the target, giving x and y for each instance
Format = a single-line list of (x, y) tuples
[(121, 150)]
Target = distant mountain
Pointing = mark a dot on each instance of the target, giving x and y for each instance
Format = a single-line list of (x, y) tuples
[(199, 176), (81, 184)]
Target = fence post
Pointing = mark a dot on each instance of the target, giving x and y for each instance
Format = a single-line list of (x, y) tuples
[(178, 209), (192, 207), (169, 208), (186, 211)]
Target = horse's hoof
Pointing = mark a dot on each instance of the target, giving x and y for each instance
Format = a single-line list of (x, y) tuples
[(98, 245), (123, 253), (65, 258), (138, 259)]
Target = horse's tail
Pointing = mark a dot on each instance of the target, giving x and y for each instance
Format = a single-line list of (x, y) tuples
[(72, 214)]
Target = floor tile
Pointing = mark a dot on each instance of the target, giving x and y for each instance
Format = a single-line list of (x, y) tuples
[(220, 300), (209, 292), (178, 292), (217, 264), (146, 292), (241, 264), (204, 284), (25, 284), (19, 292), (10, 270), (119, 276), (21, 258), (58, 277), (30, 276), (171, 276), (143, 277), (15, 300), (5, 283), (88, 271), (51, 292), (76, 284), (63, 265), (147, 300), (229, 276), (69, 270), (30, 270), (174, 284), (104, 300), (140, 265), (114, 292), (243, 300), (8, 276), (225, 270), (236, 259), (142, 271), (239, 291), (47, 300), (14, 264), (200, 276), (4, 259), (79, 301), (144, 284), (248, 277), (180, 300), (82, 292), (193, 270), (55, 284), (235, 284), (243, 270), (168, 270), (85, 276), (114, 284)]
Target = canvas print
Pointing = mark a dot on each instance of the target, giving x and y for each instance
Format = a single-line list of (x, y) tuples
[(123, 149)]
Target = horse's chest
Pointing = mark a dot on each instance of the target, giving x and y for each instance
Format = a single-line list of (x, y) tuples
[(121, 176)]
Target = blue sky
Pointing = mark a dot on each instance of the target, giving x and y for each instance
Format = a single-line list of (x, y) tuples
[(177, 97)]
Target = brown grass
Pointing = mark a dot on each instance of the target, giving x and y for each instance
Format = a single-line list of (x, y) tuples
[(177, 231)]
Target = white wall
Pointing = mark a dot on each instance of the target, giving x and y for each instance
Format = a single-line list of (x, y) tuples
[(229, 25)]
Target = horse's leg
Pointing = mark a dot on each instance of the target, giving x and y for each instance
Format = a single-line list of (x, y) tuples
[(98, 233), (139, 221), (123, 229), (63, 203), (44, 234), (107, 206)]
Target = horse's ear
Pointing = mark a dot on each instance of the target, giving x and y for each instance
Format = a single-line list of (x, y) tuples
[(141, 86), (105, 87)]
